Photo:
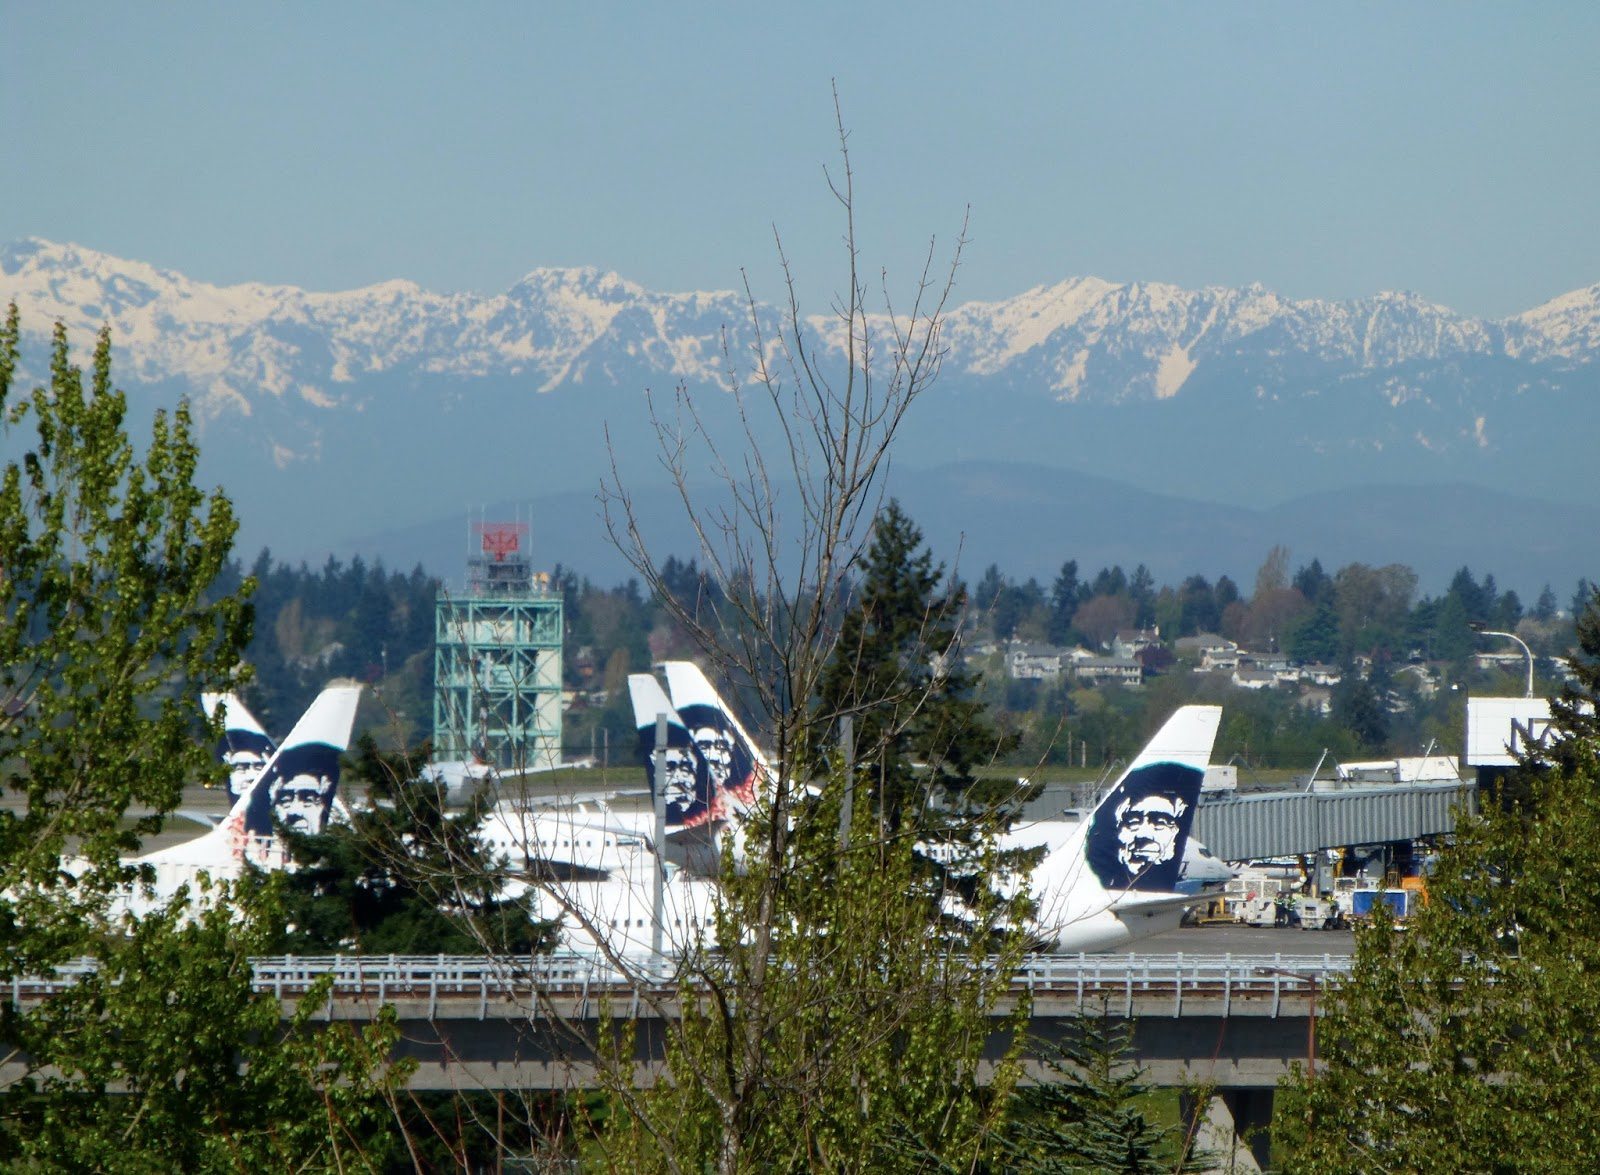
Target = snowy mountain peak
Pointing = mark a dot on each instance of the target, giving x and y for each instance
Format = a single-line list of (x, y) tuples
[(1078, 339)]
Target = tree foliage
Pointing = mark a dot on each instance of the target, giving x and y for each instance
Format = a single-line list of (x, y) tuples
[(896, 670), (161, 1056), (165, 1059), (404, 876), (107, 634), (1468, 1040), (1091, 1113)]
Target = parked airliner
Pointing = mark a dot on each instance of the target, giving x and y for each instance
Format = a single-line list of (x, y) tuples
[(1126, 872)]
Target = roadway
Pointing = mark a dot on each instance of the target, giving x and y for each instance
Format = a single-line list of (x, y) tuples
[(1232, 939)]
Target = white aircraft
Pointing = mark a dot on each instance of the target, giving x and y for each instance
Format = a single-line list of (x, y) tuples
[(1126, 872), (295, 790), (1131, 868)]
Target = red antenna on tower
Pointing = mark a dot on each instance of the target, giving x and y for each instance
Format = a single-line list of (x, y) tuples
[(500, 539)]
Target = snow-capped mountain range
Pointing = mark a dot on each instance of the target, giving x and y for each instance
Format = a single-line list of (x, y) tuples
[(1083, 339), (327, 414)]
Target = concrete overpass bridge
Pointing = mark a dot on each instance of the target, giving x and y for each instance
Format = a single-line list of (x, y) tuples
[(1236, 1022)]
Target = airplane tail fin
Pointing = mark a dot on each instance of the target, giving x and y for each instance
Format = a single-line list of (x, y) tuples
[(1138, 834), (245, 746), (738, 769), (298, 784), (689, 796)]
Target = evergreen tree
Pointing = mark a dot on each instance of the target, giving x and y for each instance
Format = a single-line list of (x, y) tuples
[(1544, 610), (1201, 612), (404, 877), (1452, 638), (1316, 634), (897, 670), (1091, 1115), (1142, 591), (1467, 1043), (1476, 601), (1109, 581), (1065, 595), (1313, 582), (989, 588), (1358, 707), (1576, 709)]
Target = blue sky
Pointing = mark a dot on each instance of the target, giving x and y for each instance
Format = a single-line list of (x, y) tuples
[(1329, 150)]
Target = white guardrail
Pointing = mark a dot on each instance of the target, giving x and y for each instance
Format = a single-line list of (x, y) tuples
[(1114, 982)]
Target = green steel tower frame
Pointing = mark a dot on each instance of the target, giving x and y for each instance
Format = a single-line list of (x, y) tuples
[(497, 660)]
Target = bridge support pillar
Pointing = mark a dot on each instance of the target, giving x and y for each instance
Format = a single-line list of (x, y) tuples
[(1232, 1127)]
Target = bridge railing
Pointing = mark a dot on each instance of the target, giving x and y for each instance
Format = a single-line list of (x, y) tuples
[(1115, 983)]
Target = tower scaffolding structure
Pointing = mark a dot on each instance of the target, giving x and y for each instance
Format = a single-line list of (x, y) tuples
[(497, 659)]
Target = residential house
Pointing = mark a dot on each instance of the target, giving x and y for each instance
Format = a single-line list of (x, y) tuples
[(1130, 642), (1101, 670), (1030, 662)]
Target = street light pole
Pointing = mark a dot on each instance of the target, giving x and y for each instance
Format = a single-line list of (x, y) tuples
[(1510, 636)]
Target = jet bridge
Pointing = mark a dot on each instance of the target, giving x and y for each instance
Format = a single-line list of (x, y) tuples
[(1287, 824)]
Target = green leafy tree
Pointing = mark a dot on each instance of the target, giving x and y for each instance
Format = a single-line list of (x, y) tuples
[(1467, 1041), (160, 1057), (107, 635), (870, 1060), (164, 1059)]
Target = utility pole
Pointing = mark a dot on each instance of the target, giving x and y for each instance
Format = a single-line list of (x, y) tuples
[(659, 776), (847, 744)]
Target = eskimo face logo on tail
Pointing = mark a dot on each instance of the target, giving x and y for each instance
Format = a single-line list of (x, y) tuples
[(245, 752), (297, 793), (731, 766), (1137, 835), (686, 782)]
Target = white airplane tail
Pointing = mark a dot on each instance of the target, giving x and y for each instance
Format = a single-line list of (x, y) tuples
[(296, 787), (737, 768), (691, 801), (1126, 870), (245, 747), (1137, 835)]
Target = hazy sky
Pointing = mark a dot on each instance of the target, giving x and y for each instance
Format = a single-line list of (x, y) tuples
[(1328, 150)]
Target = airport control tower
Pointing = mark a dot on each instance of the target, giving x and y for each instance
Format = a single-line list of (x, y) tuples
[(497, 658)]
